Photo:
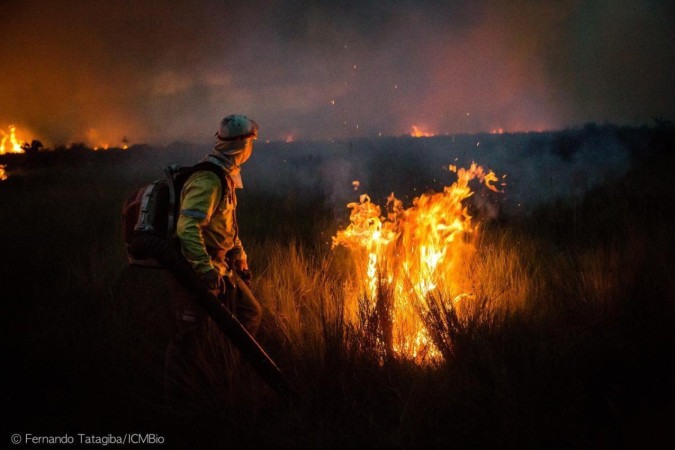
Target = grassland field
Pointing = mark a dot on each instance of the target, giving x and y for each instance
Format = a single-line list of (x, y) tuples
[(569, 345)]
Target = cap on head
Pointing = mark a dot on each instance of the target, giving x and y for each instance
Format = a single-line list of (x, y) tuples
[(237, 127)]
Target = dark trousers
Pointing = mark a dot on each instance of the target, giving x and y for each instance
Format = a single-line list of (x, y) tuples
[(244, 304), (198, 356)]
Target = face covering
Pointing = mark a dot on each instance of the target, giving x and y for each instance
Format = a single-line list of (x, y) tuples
[(234, 154)]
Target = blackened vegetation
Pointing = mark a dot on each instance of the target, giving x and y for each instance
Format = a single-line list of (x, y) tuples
[(583, 363)]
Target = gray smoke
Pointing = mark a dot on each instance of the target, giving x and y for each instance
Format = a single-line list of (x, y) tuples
[(161, 71)]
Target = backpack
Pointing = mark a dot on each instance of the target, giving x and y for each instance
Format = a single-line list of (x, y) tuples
[(150, 214)]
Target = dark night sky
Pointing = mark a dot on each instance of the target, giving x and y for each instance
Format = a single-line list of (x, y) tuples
[(159, 71)]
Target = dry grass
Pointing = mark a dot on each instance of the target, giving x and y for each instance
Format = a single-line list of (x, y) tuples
[(562, 343)]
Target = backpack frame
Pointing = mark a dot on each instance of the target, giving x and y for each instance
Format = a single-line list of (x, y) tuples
[(153, 210)]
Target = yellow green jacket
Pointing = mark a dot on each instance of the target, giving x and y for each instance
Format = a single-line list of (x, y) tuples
[(207, 225)]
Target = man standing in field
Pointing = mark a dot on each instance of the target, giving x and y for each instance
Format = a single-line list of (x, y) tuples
[(209, 239)]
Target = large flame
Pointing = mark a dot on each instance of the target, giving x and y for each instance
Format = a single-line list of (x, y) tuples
[(8, 141), (412, 254)]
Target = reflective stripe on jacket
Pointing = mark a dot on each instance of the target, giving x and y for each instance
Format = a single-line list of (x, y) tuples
[(207, 225)]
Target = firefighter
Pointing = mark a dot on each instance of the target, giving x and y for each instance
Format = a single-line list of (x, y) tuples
[(209, 240)]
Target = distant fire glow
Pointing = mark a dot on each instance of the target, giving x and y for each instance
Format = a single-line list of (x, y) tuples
[(3, 173), (412, 254), (418, 131), (94, 136), (15, 141), (9, 143)]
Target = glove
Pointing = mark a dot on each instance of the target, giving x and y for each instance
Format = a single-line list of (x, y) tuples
[(241, 267), (214, 282), (245, 276)]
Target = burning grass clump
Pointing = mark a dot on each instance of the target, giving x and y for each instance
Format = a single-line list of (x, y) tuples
[(412, 264)]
